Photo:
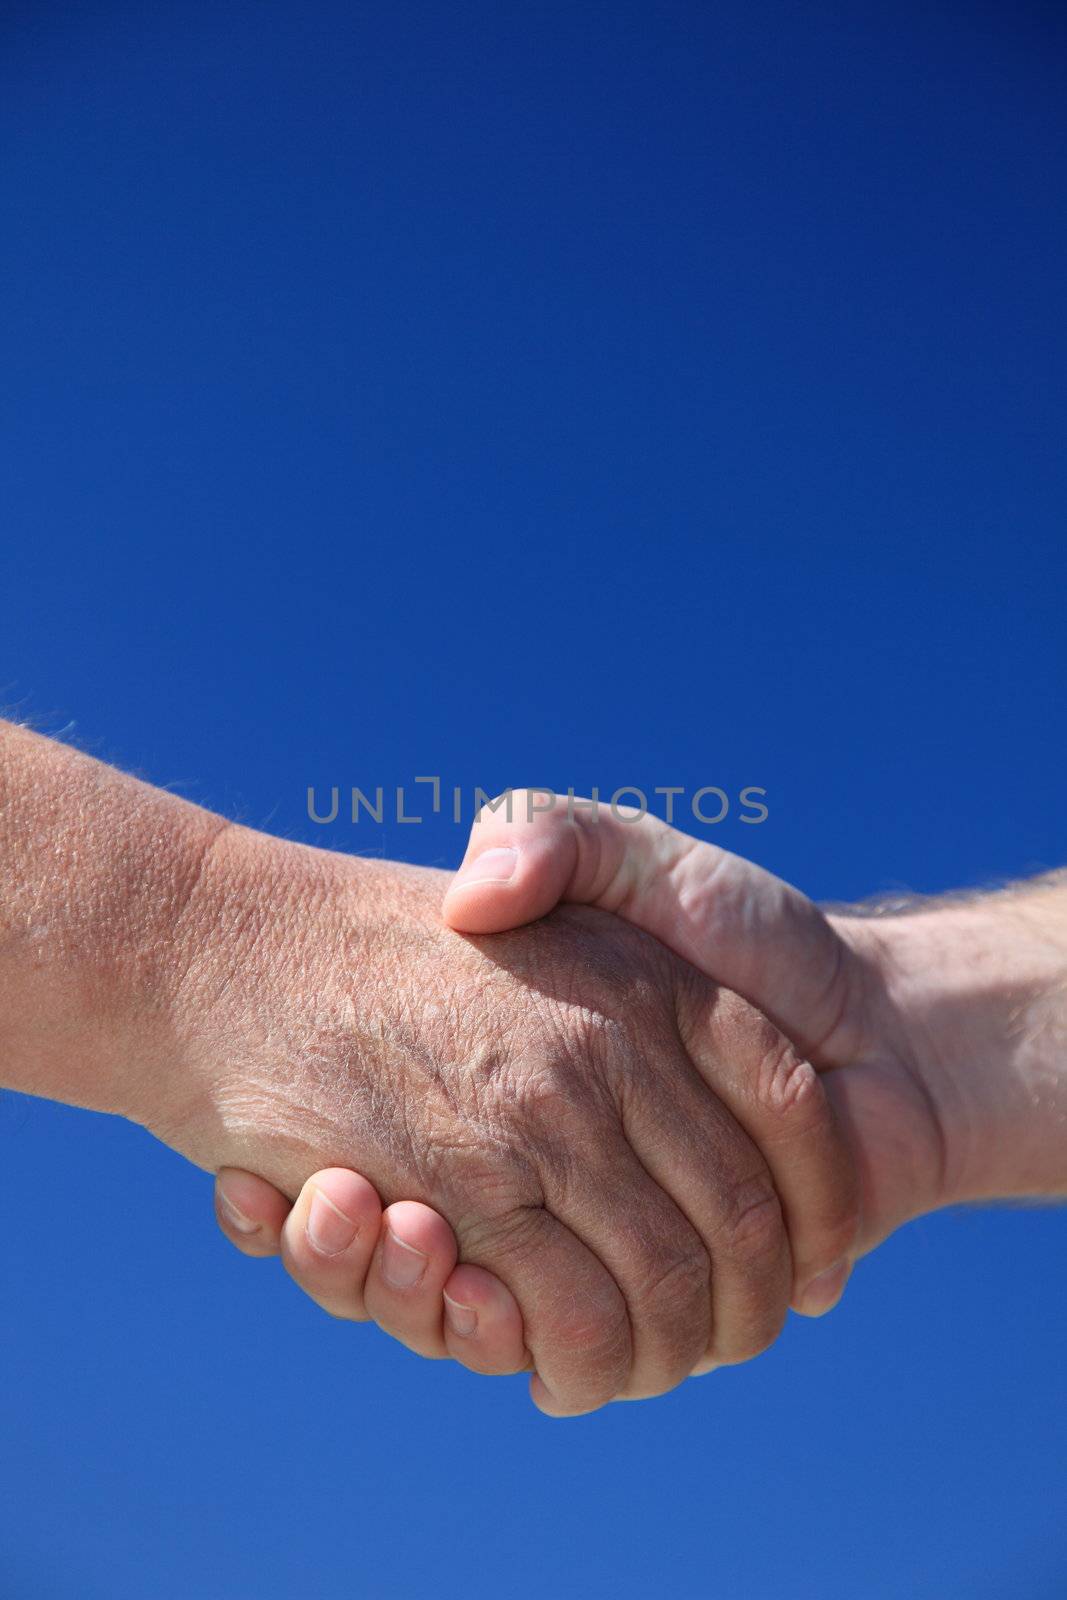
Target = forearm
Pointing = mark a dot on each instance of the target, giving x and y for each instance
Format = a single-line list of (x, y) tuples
[(214, 983), (981, 984), (95, 870)]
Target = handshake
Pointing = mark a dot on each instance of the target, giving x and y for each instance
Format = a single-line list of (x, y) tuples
[(646, 1095)]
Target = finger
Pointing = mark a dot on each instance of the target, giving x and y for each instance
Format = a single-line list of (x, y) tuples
[(482, 1323), (781, 1103), (709, 1364), (747, 930), (656, 1257), (414, 1255), (329, 1238), (717, 1177), (250, 1211), (576, 1324), (734, 921)]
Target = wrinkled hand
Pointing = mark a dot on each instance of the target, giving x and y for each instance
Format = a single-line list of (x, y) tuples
[(829, 981), (621, 1142)]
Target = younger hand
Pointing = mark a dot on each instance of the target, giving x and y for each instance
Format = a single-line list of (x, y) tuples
[(396, 1268)]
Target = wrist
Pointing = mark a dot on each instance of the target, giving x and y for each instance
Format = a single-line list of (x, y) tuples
[(93, 865), (295, 979), (980, 989)]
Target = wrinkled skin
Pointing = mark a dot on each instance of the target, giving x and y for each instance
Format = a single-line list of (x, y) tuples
[(543, 1089)]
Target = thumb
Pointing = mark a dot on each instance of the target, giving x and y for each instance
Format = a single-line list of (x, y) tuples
[(522, 859), (734, 921)]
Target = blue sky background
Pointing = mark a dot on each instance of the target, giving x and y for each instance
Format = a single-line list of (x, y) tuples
[(559, 393)]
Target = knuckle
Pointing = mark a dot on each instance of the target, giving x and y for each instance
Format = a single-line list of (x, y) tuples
[(584, 1330), (746, 1035), (674, 1306), (758, 1337), (682, 1281), (496, 1197), (785, 1082), (790, 1090), (753, 1226), (508, 1235), (544, 1097), (597, 1328), (559, 1117)]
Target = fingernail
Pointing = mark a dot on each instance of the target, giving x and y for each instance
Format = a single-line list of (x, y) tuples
[(461, 1319), (329, 1231), (492, 866), (823, 1292), (235, 1218), (402, 1264)]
